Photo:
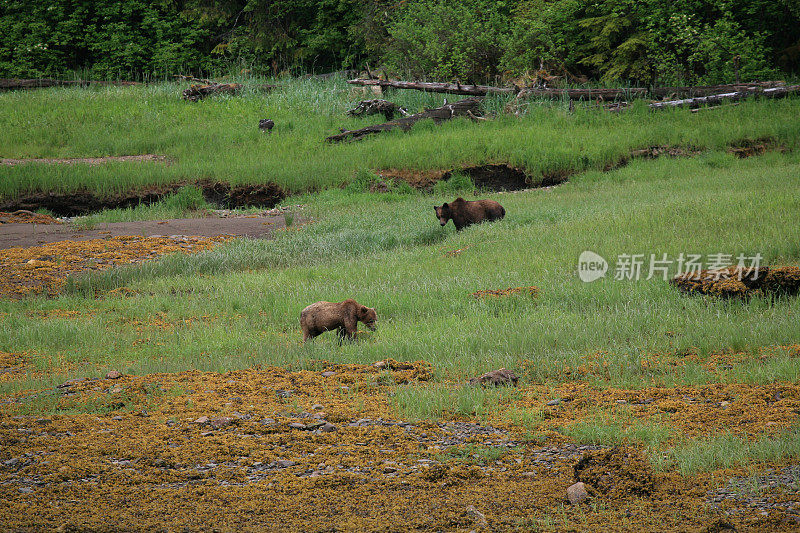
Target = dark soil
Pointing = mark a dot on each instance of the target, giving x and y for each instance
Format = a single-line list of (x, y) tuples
[(749, 148), (83, 202), (26, 235)]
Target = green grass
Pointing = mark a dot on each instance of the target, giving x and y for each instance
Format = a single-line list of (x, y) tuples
[(387, 251), (186, 202), (726, 451), (218, 138)]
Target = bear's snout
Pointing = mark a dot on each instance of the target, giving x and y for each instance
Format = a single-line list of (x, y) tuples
[(443, 222), (372, 326)]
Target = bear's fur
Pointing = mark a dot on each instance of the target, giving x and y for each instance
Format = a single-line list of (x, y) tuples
[(466, 212), (320, 317)]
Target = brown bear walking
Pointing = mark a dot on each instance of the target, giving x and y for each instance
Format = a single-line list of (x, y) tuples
[(465, 212), (320, 317)]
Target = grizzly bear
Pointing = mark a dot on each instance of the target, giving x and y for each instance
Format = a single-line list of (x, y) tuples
[(466, 212), (320, 317)]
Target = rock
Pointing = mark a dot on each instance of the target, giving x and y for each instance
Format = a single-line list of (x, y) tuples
[(554, 402), (14, 461), (328, 374), (280, 393), (297, 425), (284, 463), (266, 124), (117, 418), (496, 378), (43, 421), (327, 427), (220, 422), (267, 421), (380, 364), (317, 407), (115, 390), (70, 383), (201, 420), (114, 374), (577, 493), (724, 404), (389, 469), (477, 517)]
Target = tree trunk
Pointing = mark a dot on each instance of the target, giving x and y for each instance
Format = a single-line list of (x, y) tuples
[(483, 90), (706, 90), (468, 108), (198, 92), (772, 92)]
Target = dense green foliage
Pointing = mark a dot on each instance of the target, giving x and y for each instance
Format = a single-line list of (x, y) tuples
[(647, 41)]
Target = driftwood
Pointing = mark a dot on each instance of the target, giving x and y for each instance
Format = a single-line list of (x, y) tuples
[(198, 92), (773, 92), (378, 106), (707, 90), (40, 83), (468, 107), (521, 92), (435, 87)]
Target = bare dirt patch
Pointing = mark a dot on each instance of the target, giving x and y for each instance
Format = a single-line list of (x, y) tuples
[(27, 217), (82, 202), (499, 293), (755, 147), (254, 226), (149, 158)]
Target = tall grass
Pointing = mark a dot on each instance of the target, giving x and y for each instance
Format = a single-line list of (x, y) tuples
[(388, 251), (219, 139)]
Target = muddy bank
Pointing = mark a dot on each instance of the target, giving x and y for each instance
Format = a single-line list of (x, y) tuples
[(83, 202)]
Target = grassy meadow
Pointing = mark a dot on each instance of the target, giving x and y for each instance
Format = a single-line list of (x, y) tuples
[(237, 306), (218, 138)]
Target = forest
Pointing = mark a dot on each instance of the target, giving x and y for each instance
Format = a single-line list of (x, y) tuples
[(653, 42)]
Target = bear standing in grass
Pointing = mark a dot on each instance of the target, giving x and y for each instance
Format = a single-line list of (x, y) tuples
[(326, 316), (465, 212)]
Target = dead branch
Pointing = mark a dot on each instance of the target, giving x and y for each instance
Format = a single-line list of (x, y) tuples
[(439, 114)]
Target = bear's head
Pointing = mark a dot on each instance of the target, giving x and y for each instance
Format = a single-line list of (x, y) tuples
[(368, 317), (442, 213)]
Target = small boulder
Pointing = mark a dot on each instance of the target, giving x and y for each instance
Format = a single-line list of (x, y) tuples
[(220, 422), (577, 493), (114, 374), (496, 378), (201, 420), (327, 427)]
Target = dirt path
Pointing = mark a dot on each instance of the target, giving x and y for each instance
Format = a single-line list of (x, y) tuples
[(27, 235), (87, 160)]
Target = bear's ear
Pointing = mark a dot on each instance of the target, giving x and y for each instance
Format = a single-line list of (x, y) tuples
[(459, 199), (363, 309), (444, 205)]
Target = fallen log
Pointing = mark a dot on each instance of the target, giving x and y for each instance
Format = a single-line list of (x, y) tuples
[(773, 92), (468, 107), (377, 106), (8, 84), (707, 90), (483, 90), (197, 92), (436, 87), (583, 94)]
